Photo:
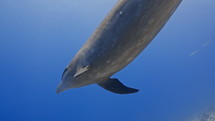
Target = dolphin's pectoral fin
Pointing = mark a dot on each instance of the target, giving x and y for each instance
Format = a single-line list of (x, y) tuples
[(81, 71), (115, 86)]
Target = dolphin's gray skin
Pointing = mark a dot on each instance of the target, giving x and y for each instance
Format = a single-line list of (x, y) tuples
[(124, 33)]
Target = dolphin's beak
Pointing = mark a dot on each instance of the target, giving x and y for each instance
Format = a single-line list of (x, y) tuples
[(60, 88)]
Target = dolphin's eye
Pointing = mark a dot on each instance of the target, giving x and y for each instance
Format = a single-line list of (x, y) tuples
[(64, 73)]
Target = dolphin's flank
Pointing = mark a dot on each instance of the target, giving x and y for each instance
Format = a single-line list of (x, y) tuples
[(129, 27)]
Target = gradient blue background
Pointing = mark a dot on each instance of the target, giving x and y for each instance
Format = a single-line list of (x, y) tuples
[(38, 38)]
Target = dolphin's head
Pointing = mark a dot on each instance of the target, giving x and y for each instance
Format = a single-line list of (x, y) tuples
[(74, 77)]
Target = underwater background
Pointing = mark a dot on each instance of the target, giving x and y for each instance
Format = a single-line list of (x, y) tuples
[(38, 38)]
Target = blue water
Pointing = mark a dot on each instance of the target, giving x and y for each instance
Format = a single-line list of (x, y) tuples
[(38, 38)]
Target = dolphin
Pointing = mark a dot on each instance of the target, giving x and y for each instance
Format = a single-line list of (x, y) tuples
[(129, 27)]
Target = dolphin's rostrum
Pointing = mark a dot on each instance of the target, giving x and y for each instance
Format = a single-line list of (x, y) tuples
[(123, 34)]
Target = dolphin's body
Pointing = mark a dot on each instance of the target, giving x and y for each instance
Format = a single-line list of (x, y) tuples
[(124, 33)]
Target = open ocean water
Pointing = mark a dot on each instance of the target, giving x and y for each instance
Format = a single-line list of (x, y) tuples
[(38, 38)]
